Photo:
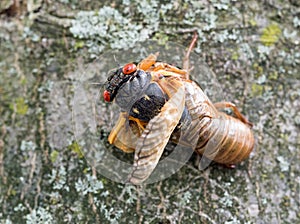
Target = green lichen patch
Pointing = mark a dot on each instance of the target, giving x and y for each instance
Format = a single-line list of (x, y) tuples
[(257, 90), (53, 156), (270, 34), (19, 106), (74, 147)]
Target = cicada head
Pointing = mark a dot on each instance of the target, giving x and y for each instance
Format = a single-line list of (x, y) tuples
[(125, 85), (115, 80)]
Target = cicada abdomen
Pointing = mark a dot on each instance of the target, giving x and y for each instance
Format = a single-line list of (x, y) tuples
[(212, 133), (226, 140)]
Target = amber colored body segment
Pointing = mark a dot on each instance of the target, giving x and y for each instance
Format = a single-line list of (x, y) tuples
[(237, 142), (218, 136)]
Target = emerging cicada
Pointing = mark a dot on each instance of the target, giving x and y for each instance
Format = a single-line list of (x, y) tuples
[(159, 103)]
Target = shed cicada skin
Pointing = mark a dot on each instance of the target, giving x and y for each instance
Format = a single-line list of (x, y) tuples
[(159, 103)]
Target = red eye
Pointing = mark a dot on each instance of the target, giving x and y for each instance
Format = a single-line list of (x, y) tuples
[(129, 68), (106, 96)]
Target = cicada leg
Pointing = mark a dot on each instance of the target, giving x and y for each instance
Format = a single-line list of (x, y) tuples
[(163, 73), (160, 66), (122, 135), (186, 60), (237, 113), (146, 63), (139, 126)]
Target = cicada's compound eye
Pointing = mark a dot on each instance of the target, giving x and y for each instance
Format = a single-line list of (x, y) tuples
[(129, 68), (106, 96)]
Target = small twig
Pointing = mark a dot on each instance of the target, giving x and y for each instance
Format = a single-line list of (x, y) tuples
[(50, 19), (38, 191), (200, 214), (4, 179), (197, 27), (257, 193), (94, 207), (32, 170), (205, 186), (41, 131), (181, 215), (162, 200), (178, 192), (138, 205)]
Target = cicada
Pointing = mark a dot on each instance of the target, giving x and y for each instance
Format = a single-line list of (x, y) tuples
[(159, 103)]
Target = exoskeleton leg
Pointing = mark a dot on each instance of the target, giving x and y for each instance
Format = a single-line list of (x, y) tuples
[(161, 66), (186, 60), (122, 135), (146, 63), (237, 113)]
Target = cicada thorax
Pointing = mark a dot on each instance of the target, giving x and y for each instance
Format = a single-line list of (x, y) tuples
[(139, 95), (150, 104)]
